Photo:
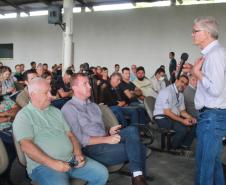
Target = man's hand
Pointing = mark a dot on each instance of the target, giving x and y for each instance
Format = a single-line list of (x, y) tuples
[(193, 121), (187, 68), (187, 122), (121, 103), (113, 139), (81, 161), (115, 129), (59, 166), (197, 68)]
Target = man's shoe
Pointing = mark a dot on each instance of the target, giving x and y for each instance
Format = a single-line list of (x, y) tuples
[(139, 180)]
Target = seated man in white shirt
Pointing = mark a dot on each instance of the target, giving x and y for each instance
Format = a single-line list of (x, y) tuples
[(170, 113)]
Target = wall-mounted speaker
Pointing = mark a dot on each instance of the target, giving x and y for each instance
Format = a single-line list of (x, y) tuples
[(54, 14)]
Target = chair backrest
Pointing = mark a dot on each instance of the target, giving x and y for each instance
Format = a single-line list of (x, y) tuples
[(149, 103), (4, 161), (110, 120), (108, 116), (19, 152)]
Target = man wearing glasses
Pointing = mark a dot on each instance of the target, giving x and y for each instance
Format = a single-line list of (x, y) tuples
[(210, 100)]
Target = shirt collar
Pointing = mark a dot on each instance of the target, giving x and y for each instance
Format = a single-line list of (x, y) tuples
[(174, 86), (192, 86), (32, 107), (209, 47), (80, 102)]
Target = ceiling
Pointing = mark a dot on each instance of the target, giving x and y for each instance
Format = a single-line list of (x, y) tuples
[(9, 6)]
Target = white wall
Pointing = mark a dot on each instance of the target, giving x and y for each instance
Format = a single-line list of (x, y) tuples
[(141, 36)]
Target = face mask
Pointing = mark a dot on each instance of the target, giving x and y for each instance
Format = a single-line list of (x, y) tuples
[(161, 78)]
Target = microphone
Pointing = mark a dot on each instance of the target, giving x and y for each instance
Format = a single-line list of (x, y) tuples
[(184, 58)]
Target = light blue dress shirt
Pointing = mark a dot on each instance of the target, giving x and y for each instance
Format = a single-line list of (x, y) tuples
[(211, 90), (169, 98)]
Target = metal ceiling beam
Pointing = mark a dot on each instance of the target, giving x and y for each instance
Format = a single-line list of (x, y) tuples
[(91, 4), (84, 4), (46, 2), (17, 7)]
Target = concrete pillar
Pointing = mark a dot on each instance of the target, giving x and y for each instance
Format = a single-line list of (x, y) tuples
[(68, 49)]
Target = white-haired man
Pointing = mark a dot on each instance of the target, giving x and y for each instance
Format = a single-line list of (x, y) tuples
[(210, 100), (52, 151)]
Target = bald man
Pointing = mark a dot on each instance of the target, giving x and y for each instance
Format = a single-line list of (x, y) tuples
[(52, 151)]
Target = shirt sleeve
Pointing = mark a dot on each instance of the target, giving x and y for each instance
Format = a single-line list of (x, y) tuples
[(214, 80), (71, 116), (164, 100), (22, 127)]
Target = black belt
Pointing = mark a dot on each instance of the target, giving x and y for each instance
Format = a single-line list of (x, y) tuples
[(207, 108)]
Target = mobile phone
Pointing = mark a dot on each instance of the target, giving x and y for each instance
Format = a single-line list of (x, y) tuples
[(73, 162)]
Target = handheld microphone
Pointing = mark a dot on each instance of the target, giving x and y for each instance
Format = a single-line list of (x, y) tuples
[(184, 58)]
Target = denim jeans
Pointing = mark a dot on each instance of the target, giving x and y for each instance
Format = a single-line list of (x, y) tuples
[(142, 113), (184, 134), (211, 129), (93, 172), (122, 112), (129, 149)]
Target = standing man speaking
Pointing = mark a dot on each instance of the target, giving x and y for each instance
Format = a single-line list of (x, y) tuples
[(210, 100)]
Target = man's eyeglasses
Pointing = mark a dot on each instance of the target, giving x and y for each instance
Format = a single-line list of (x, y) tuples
[(196, 31)]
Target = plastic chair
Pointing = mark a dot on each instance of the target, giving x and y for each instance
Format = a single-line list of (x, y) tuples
[(4, 161), (162, 136)]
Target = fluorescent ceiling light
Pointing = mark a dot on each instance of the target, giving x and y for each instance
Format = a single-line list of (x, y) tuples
[(123, 6), (38, 13), (22, 14), (154, 4), (8, 16), (87, 9), (77, 10), (191, 2)]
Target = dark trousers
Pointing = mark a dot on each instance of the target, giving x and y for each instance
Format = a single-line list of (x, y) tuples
[(184, 134), (129, 149), (7, 140)]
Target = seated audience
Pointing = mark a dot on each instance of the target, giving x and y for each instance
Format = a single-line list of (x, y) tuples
[(189, 96), (170, 113), (52, 151), (105, 78), (23, 98), (112, 96), (8, 86), (143, 82), (99, 72), (49, 78), (22, 68), (86, 122), (18, 74), (45, 67), (133, 96), (131, 92), (8, 110), (33, 65), (117, 68), (157, 82), (39, 70), (133, 75), (62, 85)]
